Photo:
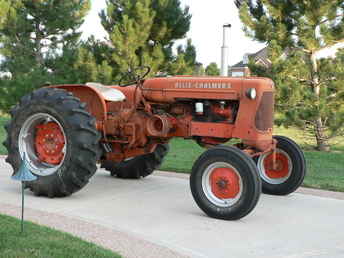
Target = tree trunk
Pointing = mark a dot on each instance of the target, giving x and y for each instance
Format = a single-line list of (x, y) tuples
[(38, 54), (319, 128), (322, 142)]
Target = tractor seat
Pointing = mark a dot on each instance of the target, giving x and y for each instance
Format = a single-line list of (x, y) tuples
[(108, 93)]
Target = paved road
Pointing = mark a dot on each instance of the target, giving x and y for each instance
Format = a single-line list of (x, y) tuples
[(160, 209)]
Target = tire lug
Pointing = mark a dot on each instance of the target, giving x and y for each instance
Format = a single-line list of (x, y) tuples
[(50, 142)]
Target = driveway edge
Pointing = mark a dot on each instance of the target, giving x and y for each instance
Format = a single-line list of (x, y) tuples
[(125, 244), (301, 190)]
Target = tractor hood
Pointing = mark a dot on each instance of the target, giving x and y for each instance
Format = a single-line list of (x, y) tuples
[(170, 89)]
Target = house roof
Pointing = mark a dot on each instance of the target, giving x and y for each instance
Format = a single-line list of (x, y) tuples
[(240, 64), (260, 56)]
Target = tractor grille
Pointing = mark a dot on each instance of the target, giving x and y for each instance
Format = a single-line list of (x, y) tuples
[(265, 112)]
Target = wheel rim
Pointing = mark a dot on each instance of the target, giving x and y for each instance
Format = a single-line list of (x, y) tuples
[(44, 142), (222, 184), (281, 173)]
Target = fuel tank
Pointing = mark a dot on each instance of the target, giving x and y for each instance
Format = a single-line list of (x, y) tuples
[(172, 89)]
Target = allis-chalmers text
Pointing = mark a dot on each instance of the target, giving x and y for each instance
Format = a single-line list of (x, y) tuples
[(202, 85)]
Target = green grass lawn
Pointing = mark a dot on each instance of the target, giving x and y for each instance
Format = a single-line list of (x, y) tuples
[(325, 170), (41, 242)]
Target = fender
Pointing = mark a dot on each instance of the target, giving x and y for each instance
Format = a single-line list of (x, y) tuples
[(96, 102)]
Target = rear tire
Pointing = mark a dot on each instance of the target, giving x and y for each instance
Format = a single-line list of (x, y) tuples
[(140, 166), (290, 171), (225, 183), (80, 145)]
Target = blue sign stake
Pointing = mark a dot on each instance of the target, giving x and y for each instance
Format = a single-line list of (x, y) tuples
[(23, 175)]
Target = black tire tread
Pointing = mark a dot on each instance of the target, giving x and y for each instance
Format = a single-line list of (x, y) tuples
[(231, 153), (293, 183), (138, 167), (75, 174)]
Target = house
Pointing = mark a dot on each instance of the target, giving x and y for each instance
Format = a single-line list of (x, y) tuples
[(241, 69), (261, 57)]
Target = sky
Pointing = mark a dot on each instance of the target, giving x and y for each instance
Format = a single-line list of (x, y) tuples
[(208, 18)]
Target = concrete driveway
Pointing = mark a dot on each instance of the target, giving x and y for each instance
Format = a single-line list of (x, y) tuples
[(160, 210)]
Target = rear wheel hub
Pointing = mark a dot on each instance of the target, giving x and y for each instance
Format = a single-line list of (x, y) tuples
[(49, 143), (43, 142)]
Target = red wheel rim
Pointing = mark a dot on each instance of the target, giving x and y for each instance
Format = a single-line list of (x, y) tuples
[(225, 183), (281, 169), (49, 143)]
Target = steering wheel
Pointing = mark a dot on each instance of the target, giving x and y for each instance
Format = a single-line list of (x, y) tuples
[(134, 76)]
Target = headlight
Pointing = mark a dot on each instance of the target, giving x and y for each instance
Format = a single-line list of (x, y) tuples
[(251, 93)]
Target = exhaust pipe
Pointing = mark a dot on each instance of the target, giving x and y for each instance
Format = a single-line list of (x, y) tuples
[(225, 50)]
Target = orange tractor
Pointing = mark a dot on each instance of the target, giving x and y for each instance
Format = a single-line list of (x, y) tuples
[(65, 130)]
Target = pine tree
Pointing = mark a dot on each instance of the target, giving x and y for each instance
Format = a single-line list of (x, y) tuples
[(85, 62), (40, 28), (184, 63), (190, 53), (179, 66), (33, 36), (310, 91), (4, 8), (212, 69), (142, 32), (88, 69)]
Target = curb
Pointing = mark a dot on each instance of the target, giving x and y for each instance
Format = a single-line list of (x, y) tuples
[(321, 193), (301, 190)]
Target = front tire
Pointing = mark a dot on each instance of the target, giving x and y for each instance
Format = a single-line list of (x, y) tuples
[(225, 183), (58, 138), (290, 169)]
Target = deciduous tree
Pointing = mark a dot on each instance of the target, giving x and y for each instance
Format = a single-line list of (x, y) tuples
[(212, 69)]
